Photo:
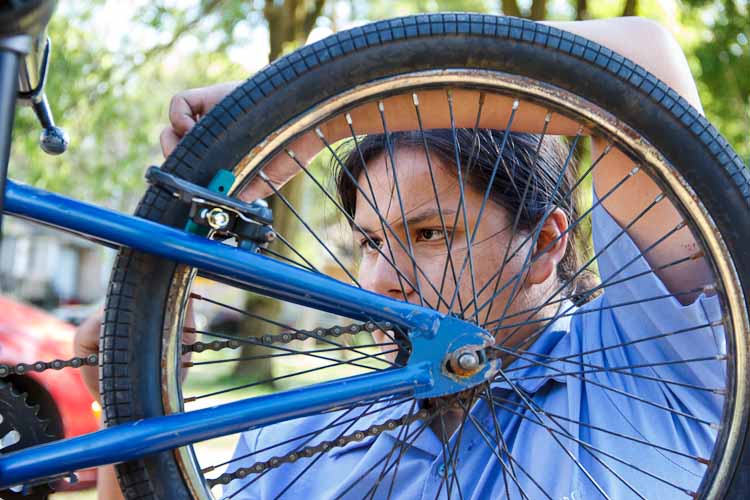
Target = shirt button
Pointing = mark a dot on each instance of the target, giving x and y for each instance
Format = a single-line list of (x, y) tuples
[(443, 468)]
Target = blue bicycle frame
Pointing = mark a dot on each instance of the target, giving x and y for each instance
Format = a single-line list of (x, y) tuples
[(433, 337)]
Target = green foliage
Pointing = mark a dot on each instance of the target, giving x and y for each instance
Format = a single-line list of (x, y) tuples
[(113, 105), (112, 98), (722, 66)]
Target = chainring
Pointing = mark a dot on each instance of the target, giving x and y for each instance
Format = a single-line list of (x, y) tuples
[(21, 427)]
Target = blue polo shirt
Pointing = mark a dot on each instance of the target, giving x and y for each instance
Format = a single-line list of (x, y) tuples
[(640, 427)]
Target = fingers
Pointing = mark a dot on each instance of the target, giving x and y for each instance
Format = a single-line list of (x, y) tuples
[(184, 109), (168, 140), (86, 342)]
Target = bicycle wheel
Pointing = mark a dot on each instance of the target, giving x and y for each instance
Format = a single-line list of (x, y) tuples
[(455, 152)]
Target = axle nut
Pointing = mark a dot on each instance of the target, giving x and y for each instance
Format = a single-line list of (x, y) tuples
[(469, 361), (217, 218), (465, 364)]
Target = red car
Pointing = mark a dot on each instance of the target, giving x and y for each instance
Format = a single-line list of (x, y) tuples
[(66, 409)]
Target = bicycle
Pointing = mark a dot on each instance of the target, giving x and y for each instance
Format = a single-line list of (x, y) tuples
[(441, 353)]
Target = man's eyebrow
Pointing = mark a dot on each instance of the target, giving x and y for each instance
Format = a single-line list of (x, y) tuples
[(415, 218)]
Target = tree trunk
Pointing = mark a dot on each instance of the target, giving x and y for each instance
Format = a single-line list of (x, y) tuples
[(538, 10), (510, 8), (630, 7), (289, 24), (286, 224), (582, 10)]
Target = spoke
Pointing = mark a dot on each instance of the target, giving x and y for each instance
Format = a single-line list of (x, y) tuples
[(608, 283), (447, 455), (571, 227), (428, 157), (354, 223), (529, 405), (389, 150), (385, 225), (400, 445), (457, 445), (618, 345), (283, 326), (490, 183), (507, 258), (460, 204), (374, 202), (624, 370), (516, 221), (540, 225), (622, 232), (309, 229), (189, 364), (594, 257), (644, 442), (287, 259), (297, 253), (501, 439), (603, 386), (295, 374), (483, 433), (591, 449), (580, 311), (462, 195)]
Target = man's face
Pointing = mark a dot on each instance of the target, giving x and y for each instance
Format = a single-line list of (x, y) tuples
[(439, 265)]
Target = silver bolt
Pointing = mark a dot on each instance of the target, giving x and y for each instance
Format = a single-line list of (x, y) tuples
[(217, 218), (468, 361)]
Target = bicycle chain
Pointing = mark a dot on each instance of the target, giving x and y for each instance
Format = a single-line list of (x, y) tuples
[(57, 364), (285, 338), (309, 451)]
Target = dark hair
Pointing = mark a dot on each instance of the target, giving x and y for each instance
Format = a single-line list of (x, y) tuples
[(524, 159)]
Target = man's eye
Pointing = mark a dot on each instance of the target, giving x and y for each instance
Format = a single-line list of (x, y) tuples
[(370, 244), (430, 234)]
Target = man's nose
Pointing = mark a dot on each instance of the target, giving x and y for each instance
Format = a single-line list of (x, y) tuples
[(386, 279)]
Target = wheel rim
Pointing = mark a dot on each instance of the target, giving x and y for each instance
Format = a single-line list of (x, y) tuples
[(726, 447)]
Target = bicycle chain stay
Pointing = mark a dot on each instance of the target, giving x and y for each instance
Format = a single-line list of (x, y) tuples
[(264, 340)]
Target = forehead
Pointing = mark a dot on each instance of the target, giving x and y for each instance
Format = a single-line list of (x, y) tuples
[(414, 180), (418, 178)]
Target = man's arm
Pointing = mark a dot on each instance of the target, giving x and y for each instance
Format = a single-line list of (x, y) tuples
[(653, 47)]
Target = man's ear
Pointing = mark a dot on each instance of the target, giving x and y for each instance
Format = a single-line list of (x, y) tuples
[(550, 248)]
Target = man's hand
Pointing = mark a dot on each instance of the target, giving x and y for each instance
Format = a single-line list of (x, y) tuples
[(85, 343), (186, 108)]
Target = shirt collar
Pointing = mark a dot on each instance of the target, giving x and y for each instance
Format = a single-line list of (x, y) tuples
[(531, 370)]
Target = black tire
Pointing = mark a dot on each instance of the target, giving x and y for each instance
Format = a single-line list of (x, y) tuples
[(131, 344)]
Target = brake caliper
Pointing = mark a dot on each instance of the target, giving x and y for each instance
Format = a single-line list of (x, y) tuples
[(211, 210)]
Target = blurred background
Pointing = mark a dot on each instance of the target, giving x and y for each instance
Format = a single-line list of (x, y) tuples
[(115, 65)]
